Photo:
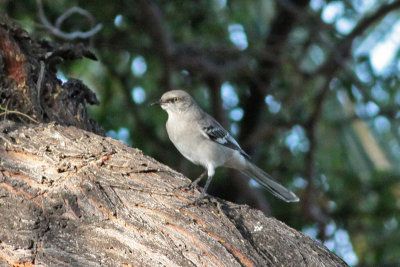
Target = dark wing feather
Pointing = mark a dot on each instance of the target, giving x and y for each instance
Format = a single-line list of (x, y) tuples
[(219, 135)]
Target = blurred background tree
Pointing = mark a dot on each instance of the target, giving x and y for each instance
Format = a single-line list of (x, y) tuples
[(309, 88)]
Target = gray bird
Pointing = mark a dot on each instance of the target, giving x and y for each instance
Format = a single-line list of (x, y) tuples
[(203, 141)]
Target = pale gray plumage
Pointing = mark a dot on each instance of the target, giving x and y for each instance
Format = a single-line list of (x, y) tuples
[(203, 141)]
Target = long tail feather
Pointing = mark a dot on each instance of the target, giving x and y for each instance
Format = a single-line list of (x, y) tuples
[(267, 181)]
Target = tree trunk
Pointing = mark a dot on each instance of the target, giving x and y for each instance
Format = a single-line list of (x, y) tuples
[(69, 197)]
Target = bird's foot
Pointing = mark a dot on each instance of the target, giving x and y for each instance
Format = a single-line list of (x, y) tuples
[(186, 187), (192, 185), (202, 199)]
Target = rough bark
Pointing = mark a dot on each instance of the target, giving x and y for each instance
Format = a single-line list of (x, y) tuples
[(29, 88), (70, 197)]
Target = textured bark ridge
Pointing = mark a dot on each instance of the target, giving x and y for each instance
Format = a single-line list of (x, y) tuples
[(70, 197)]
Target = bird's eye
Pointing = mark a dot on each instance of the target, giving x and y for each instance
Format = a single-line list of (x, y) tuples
[(175, 99)]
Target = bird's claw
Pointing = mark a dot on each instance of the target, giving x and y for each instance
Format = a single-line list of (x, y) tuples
[(198, 201), (187, 187)]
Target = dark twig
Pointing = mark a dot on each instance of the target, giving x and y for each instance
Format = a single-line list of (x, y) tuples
[(153, 20), (339, 53), (259, 84), (214, 83)]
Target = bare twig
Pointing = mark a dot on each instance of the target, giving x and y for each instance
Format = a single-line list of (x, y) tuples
[(39, 83), (71, 12), (6, 111), (5, 115), (55, 29), (6, 141)]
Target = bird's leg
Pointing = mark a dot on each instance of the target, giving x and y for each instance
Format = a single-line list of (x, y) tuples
[(210, 173), (198, 179), (192, 184), (204, 192)]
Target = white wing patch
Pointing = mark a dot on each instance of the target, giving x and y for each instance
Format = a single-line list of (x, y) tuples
[(221, 140)]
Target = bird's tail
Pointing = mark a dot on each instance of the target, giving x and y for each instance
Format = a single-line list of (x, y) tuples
[(266, 180)]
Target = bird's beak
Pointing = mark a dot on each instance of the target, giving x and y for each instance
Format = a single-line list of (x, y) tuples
[(158, 103)]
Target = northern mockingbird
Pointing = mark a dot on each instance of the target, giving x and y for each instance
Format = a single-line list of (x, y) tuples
[(203, 141)]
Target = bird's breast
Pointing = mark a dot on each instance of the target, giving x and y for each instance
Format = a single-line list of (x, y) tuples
[(187, 138)]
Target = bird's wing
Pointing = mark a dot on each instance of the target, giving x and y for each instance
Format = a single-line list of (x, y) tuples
[(215, 132)]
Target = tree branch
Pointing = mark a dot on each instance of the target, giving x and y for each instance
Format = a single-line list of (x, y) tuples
[(94, 201), (260, 81), (342, 51), (329, 70), (152, 19), (56, 29)]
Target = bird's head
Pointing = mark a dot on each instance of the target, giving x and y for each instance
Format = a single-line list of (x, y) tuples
[(175, 101)]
